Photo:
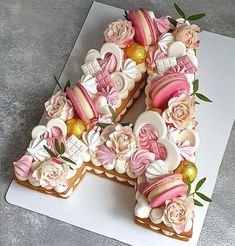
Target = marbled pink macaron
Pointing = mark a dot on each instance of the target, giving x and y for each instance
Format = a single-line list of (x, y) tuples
[(82, 102), (145, 32), (165, 188), (162, 89)]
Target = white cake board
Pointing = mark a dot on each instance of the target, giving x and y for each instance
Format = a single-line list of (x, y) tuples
[(106, 207)]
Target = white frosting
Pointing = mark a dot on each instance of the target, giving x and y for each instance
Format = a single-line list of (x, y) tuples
[(121, 166), (142, 208), (92, 139), (156, 215), (36, 149), (165, 40), (89, 83), (155, 170), (182, 21)]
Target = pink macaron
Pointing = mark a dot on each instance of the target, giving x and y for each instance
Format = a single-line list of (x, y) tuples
[(82, 103), (145, 32), (162, 89), (164, 188)]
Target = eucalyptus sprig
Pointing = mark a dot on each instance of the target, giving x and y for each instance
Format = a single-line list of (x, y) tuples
[(184, 16), (196, 192), (60, 148), (197, 94), (112, 113), (59, 85)]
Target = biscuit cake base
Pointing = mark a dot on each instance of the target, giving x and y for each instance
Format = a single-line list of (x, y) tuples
[(163, 229)]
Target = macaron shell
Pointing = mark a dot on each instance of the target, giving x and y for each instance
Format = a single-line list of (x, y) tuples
[(151, 26), (80, 108), (168, 195), (160, 100), (139, 33), (145, 189)]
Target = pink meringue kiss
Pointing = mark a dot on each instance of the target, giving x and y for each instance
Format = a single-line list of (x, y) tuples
[(146, 135), (22, 167), (140, 160), (162, 25), (105, 155), (109, 63)]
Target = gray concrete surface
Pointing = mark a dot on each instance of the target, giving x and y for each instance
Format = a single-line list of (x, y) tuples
[(36, 39)]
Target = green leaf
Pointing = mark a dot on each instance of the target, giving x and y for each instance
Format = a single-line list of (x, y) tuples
[(197, 203), (172, 21), (203, 197), (126, 15), (195, 86), (197, 103), (203, 98), (68, 160), (196, 17), (67, 85), (188, 182), (180, 11), (57, 82), (103, 125), (62, 148), (200, 183), (57, 146), (49, 151), (112, 112)]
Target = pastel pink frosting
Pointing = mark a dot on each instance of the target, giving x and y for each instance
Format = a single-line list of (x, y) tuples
[(146, 135), (110, 93), (23, 166), (162, 25), (109, 63), (152, 56), (140, 160), (105, 155)]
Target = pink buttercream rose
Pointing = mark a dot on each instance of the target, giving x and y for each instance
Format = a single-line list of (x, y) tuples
[(120, 32), (147, 134), (140, 160), (181, 112), (105, 155), (51, 174), (179, 213), (22, 167), (187, 34), (58, 106), (122, 141)]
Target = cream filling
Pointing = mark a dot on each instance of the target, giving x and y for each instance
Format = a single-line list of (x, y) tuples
[(164, 187), (84, 102)]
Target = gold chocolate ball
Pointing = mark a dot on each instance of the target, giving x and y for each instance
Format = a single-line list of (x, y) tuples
[(187, 169), (75, 127), (136, 52)]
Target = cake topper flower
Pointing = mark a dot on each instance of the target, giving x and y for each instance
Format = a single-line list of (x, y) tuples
[(181, 112), (58, 106), (120, 32)]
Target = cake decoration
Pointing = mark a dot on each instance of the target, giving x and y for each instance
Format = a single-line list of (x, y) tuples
[(157, 153)]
